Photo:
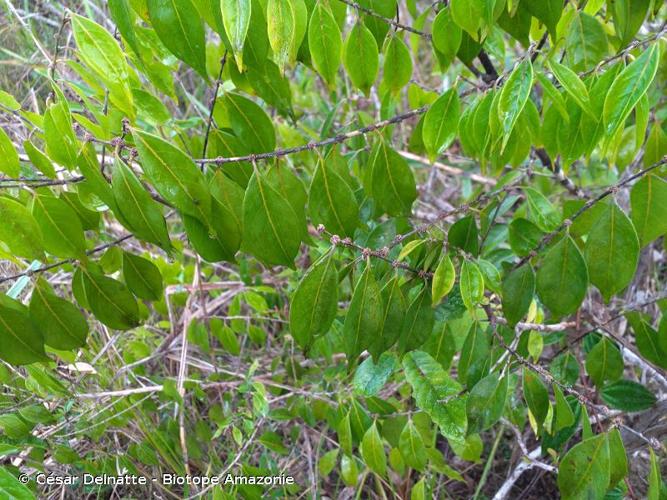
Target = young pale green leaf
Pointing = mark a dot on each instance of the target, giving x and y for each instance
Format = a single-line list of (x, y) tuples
[(138, 209), (486, 402), (315, 302), (60, 227), (325, 42), (472, 284), (10, 158), (604, 362), (372, 451), (547, 11), (360, 57), (468, 14), (142, 277), (562, 279), (612, 252), (536, 396), (412, 447), (430, 386), (418, 322), (627, 395), (513, 97), (109, 300), (397, 64), (441, 123), (392, 184), (444, 278), (236, 20), (584, 471), (250, 123), (39, 160), (370, 377), (286, 20), (174, 175), (618, 460), (655, 484), (61, 323), (61, 144), (554, 95), (19, 230), (446, 34), (563, 415), (574, 87), (394, 309), (272, 230), (21, 342), (648, 199), (518, 288), (628, 88), (181, 30), (363, 322), (331, 200)]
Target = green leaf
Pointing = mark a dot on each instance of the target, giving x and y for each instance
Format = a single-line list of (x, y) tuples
[(604, 362), (315, 302), (648, 341), (612, 252), (181, 30), (372, 451), (472, 284), (61, 323), (142, 277), (542, 212), (123, 17), (655, 484), (11, 488), (325, 42), (60, 226), (618, 460), (585, 42), (584, 471), (286, 20), (518, 288), (236, 20), (441, 123), (272, 230), (656, 145), (392, 184), (412, 447), (574, 87), (331, 200), (513, 97), (553, 94), (547, 11), (418, 321), (19, 230), (444, 278), (563, 415), (327, 462), (370, 377), (536, 396), (446, 34), (486, 402), (10, 158), (562, 279), (360, 57), (250, 123), (21, 343), (524, 236), (61, 144), (363, 322), (648, 199), (109, 300), (628, 88), (468, 14), (138, 209), (393, 312), (432, 386), (39, 160), (174, 175), (474, 359), (628, 17), (628, 396), (397, 64)]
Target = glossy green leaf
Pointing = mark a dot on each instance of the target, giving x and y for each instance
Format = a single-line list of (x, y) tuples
[(486, 402), (22, 343), (412, 447), (418, 321), (464, 235), (585, 42), (325, 42), (360, 57), (584, 471), (562, 279), (61, 144), (109, 300), (372, 451), (618, 460), (612, 252), (446, 34), (370, 377), (61, 323), (315, 302), (573, 85), (627, 395), (363, 322), (441, 123), (628, 88), (474, 359), (392, 184), (10, 159), (124, 19), (648, 199), (468, 15), (604, 362), (563, 415), (397, 70), (250, 123), (39, 160), (60, 227), (655, 483), (444, 278), (393, 312), (142, 277), (628, 17), (236, 20), (513, 97), (286, 20), (181, 30), (472, 284), (518, 288), (12, 488), (548, 12), (536, 396), (19, 230)]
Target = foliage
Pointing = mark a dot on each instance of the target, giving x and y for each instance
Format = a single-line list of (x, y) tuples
[(375, 246)]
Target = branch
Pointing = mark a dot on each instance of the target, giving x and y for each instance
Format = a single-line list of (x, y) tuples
[(393, 23)]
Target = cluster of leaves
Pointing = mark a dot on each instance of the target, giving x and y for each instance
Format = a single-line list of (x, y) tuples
[(465, 316)]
